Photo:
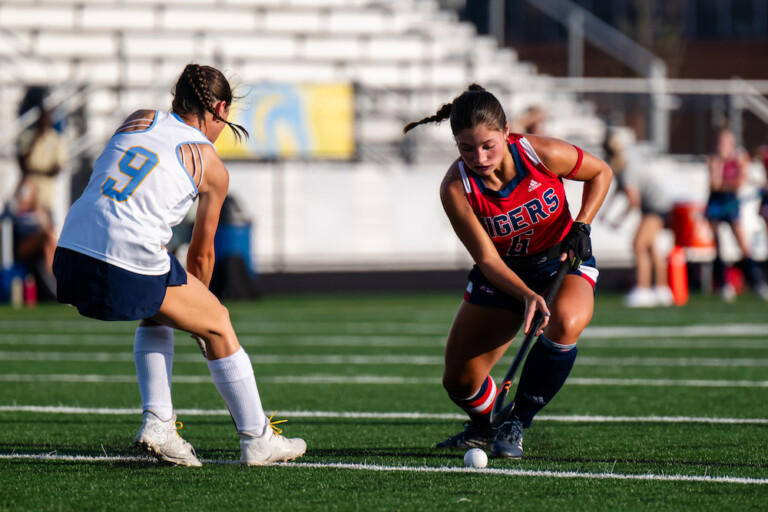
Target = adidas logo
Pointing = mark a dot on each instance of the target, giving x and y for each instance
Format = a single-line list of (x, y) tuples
[(533, 185)]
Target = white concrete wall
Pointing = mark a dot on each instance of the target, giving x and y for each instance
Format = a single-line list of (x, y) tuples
[(337, 216)]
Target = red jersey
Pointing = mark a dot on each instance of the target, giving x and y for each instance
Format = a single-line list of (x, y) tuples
[(731, 173), (531, 213)]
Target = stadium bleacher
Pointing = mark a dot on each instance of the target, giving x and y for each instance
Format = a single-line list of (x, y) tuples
[(406, 58)]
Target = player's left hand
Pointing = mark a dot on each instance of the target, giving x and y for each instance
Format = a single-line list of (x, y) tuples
[(576, 246)]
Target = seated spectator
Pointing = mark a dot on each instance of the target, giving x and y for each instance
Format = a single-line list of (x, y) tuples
[(41, 153), (34, 239), (531, 121)]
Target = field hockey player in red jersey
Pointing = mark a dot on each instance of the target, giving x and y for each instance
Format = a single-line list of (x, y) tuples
[(504, 198), (728, 173), (111, 262)]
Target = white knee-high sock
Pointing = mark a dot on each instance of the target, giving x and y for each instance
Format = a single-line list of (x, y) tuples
[(233, 376), (153, 355)]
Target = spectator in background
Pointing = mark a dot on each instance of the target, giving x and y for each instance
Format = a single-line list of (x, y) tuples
[(644, 191), (762, 154), (41, 153), (34, 239), (614, 150), (728, 171), (531, 121)]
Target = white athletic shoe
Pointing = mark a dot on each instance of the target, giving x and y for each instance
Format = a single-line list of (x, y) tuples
[(762, 291), (728, 293), (641, 298), (664, 296), (161, 440), (269, 447)]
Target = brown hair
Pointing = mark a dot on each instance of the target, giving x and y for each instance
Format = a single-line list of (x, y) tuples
[(472, 107), (198, 89)]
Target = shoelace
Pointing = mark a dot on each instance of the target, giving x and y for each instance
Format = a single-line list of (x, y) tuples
[(178, 426), (276, 430), (513, 432)]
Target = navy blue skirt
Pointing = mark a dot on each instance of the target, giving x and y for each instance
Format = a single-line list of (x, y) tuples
[(106, 292)]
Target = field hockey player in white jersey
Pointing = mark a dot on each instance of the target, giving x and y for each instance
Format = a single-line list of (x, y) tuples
[(112, 265)]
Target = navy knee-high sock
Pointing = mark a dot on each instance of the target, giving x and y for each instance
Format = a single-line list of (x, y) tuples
[(544, 373), (718, 272), (752, 272)]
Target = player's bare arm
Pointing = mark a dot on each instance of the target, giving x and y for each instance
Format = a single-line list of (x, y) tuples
[(715, 168), (481, 248), (212, 193), (560, 157)]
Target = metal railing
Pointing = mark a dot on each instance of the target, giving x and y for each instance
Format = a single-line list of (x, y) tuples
[(583, 25)]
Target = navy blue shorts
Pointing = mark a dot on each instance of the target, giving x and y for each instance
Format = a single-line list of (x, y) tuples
[(481, 292), (723, 206), (106, 292)]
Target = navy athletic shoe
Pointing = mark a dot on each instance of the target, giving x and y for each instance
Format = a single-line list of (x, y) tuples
[(472, 437), (509, 440)]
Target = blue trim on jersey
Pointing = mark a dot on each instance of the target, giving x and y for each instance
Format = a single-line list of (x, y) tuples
[(176, 151), (178, 158), (506, 191), (179, 119), (132, 132)]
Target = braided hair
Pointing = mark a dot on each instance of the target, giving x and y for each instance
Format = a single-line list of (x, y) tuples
[(472, 107), (198, 89)]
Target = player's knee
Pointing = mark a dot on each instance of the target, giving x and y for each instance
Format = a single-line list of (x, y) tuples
[(224, 314), (219, 324), (566, 328), (457, 384)]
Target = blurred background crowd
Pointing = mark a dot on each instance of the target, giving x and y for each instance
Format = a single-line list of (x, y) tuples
[(327, 194)]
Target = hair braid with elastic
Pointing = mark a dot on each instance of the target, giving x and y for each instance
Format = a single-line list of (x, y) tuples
[(198, 83), (443, 113), (194, 94)]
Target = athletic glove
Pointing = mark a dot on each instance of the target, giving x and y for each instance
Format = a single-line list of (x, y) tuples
[(577, 240)]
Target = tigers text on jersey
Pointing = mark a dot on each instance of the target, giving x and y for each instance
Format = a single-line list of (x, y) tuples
[(530, 214), (138, 190)]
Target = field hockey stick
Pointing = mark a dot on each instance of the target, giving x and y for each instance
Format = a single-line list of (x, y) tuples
[(201, 343), (500, 412)]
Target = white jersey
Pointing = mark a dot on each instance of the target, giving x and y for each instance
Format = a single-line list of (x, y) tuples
[(138, 191)]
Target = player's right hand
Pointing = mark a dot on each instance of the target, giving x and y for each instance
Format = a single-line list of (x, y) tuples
[(535, 303)]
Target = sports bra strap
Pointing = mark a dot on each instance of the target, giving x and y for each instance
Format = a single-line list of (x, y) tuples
[(134, 123)]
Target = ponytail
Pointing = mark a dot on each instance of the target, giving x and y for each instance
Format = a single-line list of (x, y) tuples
[(472, 107)]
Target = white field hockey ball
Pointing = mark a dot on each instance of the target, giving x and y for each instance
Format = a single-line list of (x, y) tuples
[(475, 458)]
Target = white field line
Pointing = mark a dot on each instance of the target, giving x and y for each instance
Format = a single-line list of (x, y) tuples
[(387, 415), (350, 340), (410, 327), (407, 360), (422, 469), (376, 380)]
